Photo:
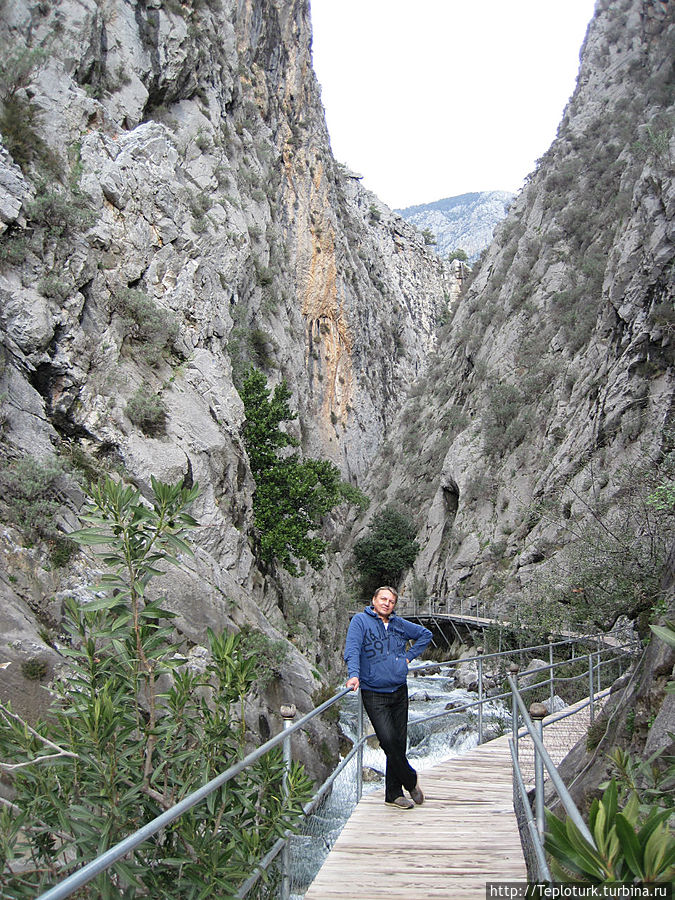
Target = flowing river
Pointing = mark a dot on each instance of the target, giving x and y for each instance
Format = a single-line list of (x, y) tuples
[(429, 743)]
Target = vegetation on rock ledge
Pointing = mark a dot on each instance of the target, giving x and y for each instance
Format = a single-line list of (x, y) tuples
[(291, 495)]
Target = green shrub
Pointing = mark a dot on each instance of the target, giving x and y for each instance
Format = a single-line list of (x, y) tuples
[(200, 204), (19, 115), (14, 248), (57, 213), (291, 496), (30, 497), (458, 254), (34, 669), (19, 123), (134, 729), (259, 343), (146, 322), (148, 412), (54, 286), (62, 551), (269, 655), (504, 424), (625, 850), (264, 275), (387, 552)]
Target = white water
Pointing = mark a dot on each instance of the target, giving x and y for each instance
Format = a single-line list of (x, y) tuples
[(429, 743)]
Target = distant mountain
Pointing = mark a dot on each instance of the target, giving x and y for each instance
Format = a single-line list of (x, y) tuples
[(465, 222)]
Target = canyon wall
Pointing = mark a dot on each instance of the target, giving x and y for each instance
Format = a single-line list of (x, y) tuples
[(171, 214)]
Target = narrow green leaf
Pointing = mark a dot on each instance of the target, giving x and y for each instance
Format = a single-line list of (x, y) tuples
[(630, 845), (89, 537), (102, 603), (666, 634), (655, 852)]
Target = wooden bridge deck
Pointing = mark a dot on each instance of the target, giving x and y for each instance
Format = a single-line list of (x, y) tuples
[(464, 835)]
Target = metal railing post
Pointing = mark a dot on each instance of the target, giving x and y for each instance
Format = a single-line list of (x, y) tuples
[(597, 671), (479, 651), (550, 671), (590, 687), (514, 668), (359, 755), (288, 714), (537, 713)]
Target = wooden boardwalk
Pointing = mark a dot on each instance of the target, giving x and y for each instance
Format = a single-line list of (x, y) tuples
[(464, 835)]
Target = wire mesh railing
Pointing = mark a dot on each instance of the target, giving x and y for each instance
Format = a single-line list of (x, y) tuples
[(591, 667), (531, 824)]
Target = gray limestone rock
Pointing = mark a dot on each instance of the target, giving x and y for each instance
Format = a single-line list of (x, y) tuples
[(14, 190)]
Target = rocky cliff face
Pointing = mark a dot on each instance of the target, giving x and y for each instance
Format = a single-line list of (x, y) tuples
[(466, 222), (171, 213), (546, 416)]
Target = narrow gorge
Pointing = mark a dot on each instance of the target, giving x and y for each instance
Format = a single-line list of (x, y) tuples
[(171, 213)]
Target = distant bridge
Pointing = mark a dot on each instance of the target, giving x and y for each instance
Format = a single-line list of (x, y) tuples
[(445, 626)]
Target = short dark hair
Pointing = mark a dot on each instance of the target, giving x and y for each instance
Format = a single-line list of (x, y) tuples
[(386, 587)]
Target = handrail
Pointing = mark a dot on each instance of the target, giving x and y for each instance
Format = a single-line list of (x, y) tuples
[(547, 667), (519, 650), (105, 860), (558, 783), (529, 818), (85, 874)]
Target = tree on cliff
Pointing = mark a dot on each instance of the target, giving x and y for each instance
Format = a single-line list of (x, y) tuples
[(292, 495), (385, 554)]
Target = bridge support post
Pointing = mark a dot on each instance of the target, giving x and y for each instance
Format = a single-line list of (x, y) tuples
[(479, 651), (550, 671), (590, 688), (514, 668), (359, 753), (537, 713), (288, 714)]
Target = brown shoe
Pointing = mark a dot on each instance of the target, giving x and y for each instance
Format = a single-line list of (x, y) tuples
[(417, 794), (401, 803)]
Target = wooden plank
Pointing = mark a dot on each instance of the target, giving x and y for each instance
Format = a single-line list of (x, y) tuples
[(464, 834)]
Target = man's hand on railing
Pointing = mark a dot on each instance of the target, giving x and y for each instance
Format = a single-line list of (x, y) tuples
[(353, 683)]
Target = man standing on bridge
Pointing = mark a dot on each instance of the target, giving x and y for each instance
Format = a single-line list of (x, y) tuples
[(377, 662)]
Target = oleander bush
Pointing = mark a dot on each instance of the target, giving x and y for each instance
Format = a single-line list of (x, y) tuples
[(135, 727)]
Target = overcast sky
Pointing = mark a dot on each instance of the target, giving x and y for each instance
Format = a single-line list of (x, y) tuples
[(428, 99)]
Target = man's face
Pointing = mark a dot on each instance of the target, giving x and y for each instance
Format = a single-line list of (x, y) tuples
[(384, 603)]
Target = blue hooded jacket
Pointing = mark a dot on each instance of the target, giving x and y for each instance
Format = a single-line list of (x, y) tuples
[(377, 655)]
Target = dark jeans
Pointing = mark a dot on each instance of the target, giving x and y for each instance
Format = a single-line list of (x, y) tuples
[(389, 715)]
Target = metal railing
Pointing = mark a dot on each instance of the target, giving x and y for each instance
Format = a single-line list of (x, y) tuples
[(84, 875), (595, 663), (533, 837)]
